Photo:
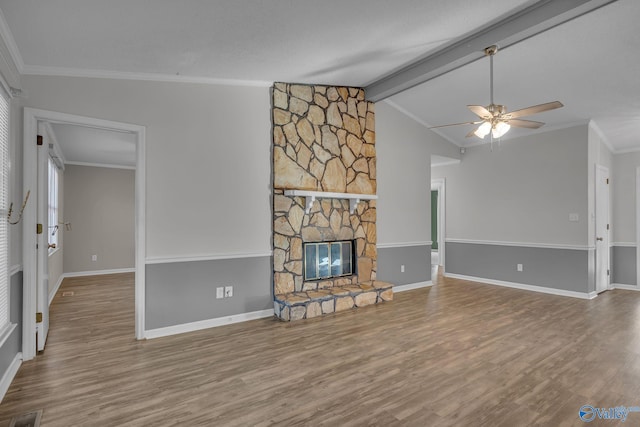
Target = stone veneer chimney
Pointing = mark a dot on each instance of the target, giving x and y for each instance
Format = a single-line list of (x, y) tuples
[(323, 140)]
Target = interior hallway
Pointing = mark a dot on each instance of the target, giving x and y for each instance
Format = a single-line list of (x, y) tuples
[(457, 353)]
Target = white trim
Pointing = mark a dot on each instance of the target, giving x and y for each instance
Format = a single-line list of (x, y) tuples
[(625, 287), (627, 150), (420, 121), (17, 268), (624, 244), (447, 163), (54, 291), (638, 225), (212, 257), (99, 165), (523, 244), (35, 70), (206, 324), (522, 286), (403, 245), (99, 272), (602, 136), (412, 286), (9, 375), (31, 118)]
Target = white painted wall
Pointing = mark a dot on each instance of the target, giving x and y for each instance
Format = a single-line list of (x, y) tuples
[(404, 149), (522, 192), (208, 157), (624, 197)]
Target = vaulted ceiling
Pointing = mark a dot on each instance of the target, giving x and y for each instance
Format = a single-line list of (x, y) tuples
[(589, 63)]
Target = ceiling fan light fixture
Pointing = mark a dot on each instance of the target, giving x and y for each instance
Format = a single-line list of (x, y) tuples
[(483, 130), (500, 129)]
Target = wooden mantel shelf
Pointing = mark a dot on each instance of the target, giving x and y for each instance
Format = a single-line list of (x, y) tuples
[(311, 196)]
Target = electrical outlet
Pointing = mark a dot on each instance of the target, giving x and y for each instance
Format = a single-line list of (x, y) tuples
[(402, 268), (228, 291), (94, 257), (574, 217), (519, 267), (219, 292)]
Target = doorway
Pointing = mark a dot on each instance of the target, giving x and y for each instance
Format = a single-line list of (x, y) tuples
[(35, 287), (439, 225), (602, 229)]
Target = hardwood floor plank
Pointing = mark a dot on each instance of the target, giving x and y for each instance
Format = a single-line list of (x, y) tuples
[(457, 353)]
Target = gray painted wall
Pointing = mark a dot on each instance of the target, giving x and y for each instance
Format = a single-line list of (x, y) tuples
[(552, 268), (13, 344), (623, 265), (522, 192), (416, 260), (99, 203), (184, 292)]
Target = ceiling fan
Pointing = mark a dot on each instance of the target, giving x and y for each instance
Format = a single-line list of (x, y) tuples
[(494, 117)]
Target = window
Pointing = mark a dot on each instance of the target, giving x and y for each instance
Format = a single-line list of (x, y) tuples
[(53, 206), (4, 224)]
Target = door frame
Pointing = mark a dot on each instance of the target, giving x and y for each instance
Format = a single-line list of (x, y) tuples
[(32, 117), (638, 227), (439, 184), (605, 171)]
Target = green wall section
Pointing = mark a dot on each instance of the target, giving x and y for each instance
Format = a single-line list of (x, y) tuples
[(434, 219)]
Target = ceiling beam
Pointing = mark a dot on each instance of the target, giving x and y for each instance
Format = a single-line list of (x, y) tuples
[(535, 18)]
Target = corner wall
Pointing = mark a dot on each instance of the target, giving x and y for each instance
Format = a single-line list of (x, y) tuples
[(404, 194)]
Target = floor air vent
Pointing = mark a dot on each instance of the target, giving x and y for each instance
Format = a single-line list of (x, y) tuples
[(31, 419), (67, 294)]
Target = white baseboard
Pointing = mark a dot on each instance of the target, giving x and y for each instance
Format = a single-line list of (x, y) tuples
[(534, 288), (625, 287), (99, 272), (9, 375), (205, 324), (411, 286)]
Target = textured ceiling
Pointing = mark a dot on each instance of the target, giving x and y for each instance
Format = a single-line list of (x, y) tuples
[(590, 64)]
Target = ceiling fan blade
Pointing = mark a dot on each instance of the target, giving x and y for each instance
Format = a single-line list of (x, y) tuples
[(529, 124), (454, 124), (472, 133), (534, 109), (480, 111)]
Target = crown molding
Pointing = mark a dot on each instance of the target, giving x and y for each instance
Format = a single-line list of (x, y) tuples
[(34, 70)]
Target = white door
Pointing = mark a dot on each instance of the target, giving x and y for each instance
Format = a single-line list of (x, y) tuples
[(42, 248), (602, 228)]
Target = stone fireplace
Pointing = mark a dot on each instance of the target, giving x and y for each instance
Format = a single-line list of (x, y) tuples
[(324, 186)]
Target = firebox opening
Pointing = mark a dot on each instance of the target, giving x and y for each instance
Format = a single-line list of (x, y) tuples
[(324, 260)]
